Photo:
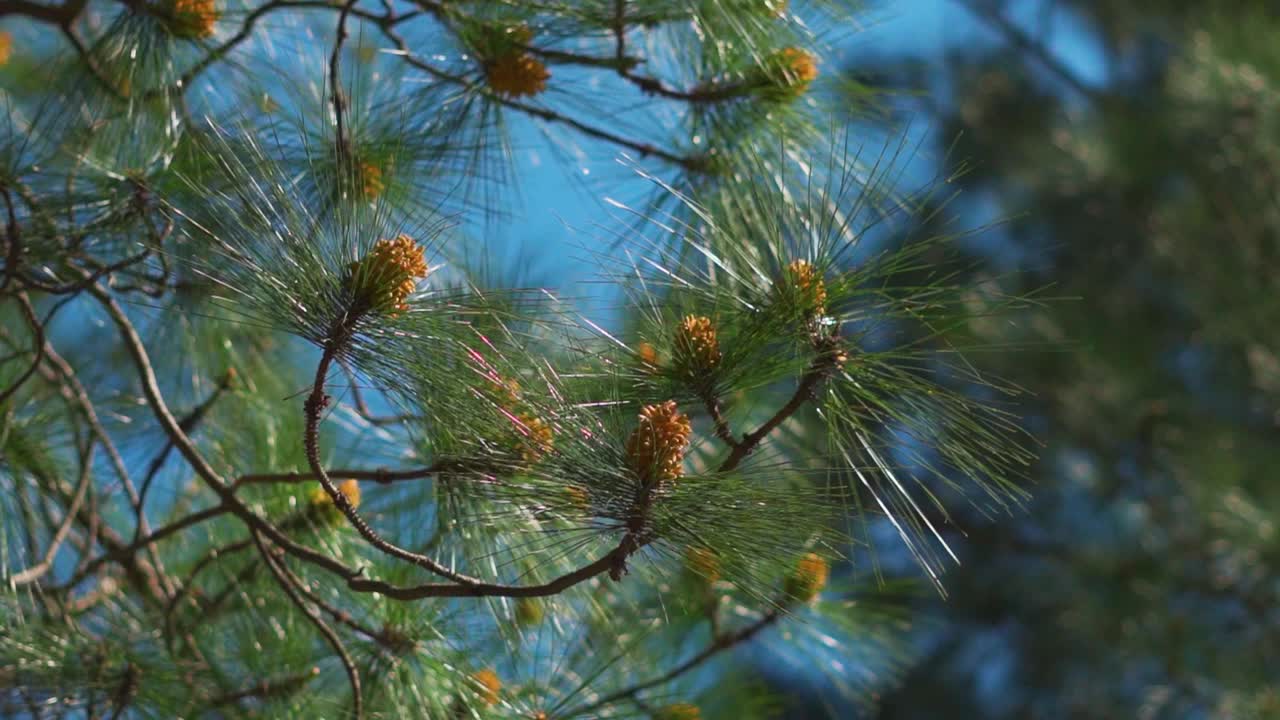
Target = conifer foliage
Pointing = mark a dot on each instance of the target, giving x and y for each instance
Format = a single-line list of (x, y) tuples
[(278, 441)]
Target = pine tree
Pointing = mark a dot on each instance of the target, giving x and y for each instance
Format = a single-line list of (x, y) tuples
[(279, 439)]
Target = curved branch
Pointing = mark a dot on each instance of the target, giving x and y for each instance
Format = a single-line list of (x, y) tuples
[(151, 390), (822, 366), (643, 148), (312, 409)]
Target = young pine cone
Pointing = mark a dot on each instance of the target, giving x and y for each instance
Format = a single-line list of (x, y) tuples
[(702, 563), (323, 505), (655, 449), (807, 578), (536, 440), (388, 274), (648, 355), (193, 19), (369, 180), (512, 71), (696, 345), (793, 71), (810, 290), (487, 685)]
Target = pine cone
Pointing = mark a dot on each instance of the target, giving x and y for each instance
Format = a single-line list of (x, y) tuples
[(810, 288), (696, 345), (656, 447), (703, 563), (487, 685), (512, 71), (369, 179), (794, 70), (193, 19), (323, 505), (648, 355), (808, 578), (388, 274), (537, 438)]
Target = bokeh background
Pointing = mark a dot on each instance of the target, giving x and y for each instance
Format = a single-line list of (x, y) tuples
[(1127, 152)]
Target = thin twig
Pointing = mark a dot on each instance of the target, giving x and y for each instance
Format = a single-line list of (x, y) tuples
[(716, 646), (644, 149), (817, 372), (1024, 41), (151, 390), (177, 526), (38, 570), (331, 637), (266, 689), (721, 425), (362, 409), (188, 424), (38, 345), (381, 476), (335, 83)]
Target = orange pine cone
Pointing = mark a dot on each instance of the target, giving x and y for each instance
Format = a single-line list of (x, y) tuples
[(370, 180), (703, 563), (193, 19), (697, 344), (388, 274), (487, 685), (808, 578), (516, 73), (648, 354), (538, 438), (809, 286), (655, 449), (796, 69)]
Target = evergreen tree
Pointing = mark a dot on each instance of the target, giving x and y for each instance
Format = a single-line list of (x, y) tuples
[(282, 438)]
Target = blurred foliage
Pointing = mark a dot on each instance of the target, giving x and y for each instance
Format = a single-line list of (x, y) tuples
[(1143, 581)]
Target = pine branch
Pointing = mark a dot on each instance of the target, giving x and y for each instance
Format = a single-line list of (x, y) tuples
[(827, 361), (717, 646), (121, 554), (188, 424)]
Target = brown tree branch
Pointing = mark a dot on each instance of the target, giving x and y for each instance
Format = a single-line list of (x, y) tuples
[(822, 366)]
